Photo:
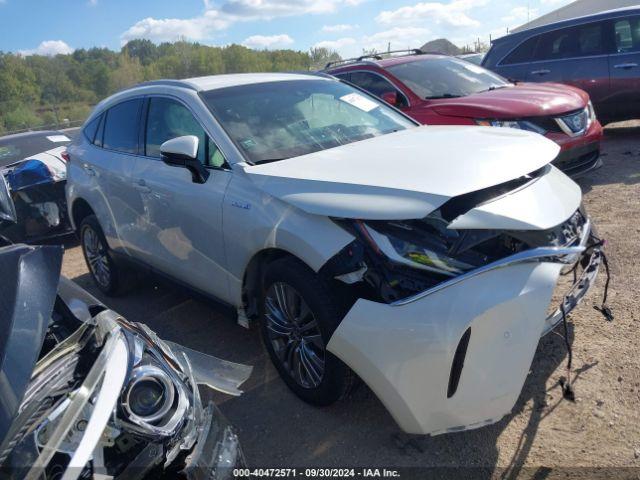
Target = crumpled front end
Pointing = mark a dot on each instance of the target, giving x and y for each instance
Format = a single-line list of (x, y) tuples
[(448, 319)]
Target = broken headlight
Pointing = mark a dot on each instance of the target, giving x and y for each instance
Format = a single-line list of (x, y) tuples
[(158, 393)]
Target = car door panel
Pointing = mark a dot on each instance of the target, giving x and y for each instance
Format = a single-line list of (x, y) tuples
[(576, 56), (118, 138), (181, 221), (182, 224), (624, 67)]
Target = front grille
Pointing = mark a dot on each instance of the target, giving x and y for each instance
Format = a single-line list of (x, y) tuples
[(575, 123), (549, 124), (566, 234)]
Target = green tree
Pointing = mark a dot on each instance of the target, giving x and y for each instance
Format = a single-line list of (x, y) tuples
[(38, 90), (320, 56)]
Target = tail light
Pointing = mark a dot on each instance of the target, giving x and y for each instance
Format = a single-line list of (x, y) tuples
[(65, 156)]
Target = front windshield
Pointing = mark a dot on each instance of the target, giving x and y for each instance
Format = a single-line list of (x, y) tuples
[(446, 77), (277, 120)]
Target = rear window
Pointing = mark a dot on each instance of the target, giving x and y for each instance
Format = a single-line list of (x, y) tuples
[(121, 127)]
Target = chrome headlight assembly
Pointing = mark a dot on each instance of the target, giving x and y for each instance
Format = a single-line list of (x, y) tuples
[(428, 244), (158, 393)]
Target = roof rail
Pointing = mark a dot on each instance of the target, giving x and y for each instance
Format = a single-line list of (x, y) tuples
[(168, 83), (313, 73), (374, 56)]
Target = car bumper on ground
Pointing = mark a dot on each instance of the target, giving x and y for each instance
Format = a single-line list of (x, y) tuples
[(456, 357)]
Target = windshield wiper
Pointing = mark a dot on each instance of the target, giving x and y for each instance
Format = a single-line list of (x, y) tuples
[(445, 95), (494, 87)]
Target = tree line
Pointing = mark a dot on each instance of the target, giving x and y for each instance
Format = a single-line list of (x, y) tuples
[(53, 92)]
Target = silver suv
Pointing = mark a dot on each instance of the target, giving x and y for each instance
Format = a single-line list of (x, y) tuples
[(421, 260)]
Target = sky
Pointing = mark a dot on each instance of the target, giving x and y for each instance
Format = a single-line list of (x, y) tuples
[(49, 27)]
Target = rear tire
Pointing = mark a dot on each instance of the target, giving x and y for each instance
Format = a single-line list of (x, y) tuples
[(298, 315), (111, 277)]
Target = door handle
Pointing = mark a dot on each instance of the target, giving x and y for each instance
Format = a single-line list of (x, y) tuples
[(142, 186), (90, 171), (626, 66), (541, 72)]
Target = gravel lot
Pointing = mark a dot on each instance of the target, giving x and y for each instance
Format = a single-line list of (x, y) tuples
[(602, 429)]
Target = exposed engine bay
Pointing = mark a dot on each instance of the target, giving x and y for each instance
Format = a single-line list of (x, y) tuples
[(397, 259)]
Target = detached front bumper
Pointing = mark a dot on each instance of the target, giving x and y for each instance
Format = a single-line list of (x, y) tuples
[(456, 357)]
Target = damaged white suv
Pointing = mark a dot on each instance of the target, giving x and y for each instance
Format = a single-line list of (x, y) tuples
[(422, 260)]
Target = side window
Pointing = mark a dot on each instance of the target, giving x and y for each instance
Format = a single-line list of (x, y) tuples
[(121, 127), (580, 41), (343, 76), (91, 129), (167, 119), (523, 52), (627, 34), (97, 141), (377, 85)]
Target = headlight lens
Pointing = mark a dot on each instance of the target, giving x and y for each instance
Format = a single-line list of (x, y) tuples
[(425, 245), (150, 393), (157, 397), (519, 124)]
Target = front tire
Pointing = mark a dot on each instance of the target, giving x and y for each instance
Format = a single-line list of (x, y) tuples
[(298, 315), (110, 277)]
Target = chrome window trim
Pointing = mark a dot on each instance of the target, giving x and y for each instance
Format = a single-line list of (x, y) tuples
[(565, 255)]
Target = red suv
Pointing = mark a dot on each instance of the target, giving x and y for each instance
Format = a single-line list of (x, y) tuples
[(441, 90)]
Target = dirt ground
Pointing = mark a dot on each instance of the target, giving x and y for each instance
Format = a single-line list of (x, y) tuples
[(544, 437)]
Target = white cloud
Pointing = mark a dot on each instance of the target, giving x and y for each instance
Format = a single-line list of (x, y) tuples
[(520, 14), (220, 15), (342, 27), (398, 37), (92, 3), (267, 41), (49, 48), (246, 9), (452, 14), (172, 29), (336, 44)]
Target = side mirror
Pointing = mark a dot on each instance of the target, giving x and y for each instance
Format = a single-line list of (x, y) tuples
[(183, 152), (390, 97), (7, 207)]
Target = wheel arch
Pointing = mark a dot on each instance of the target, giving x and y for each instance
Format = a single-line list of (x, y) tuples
[(80, 209), (254, 274)]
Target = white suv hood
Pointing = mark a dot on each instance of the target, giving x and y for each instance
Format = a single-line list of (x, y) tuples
[(403, 175)]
